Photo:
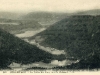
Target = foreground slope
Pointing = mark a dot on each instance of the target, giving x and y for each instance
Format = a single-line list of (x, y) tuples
[(12, 49), (77, 35)]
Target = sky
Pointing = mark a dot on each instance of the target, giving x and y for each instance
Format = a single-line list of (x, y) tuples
[(48, 5)]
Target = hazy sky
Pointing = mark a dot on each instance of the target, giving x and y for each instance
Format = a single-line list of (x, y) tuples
[(48, 5)]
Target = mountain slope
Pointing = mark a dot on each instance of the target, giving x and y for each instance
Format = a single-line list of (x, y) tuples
[(77, 35), (12, 49), (10, 15), (90, 12), (45, 18)]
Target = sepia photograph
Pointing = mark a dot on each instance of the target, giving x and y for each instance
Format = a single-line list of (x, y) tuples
[(49, 36)]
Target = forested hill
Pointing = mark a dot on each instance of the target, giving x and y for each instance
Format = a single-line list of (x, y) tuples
[(12, 49), (78, 35), (18, 25)]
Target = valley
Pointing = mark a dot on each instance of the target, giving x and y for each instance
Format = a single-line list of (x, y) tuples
[(54, 63), (50, 40)]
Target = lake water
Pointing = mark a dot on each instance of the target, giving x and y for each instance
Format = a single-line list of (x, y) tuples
[(54, 63), (29, 33), (9, 23)]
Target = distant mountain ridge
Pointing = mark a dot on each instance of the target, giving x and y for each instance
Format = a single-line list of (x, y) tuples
[(42, 14), (90, 12), (52, 17), (10, 15), (46, 17)]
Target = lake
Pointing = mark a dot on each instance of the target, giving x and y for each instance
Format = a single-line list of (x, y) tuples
[(9, 23), (29, 33), (54, 63)]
